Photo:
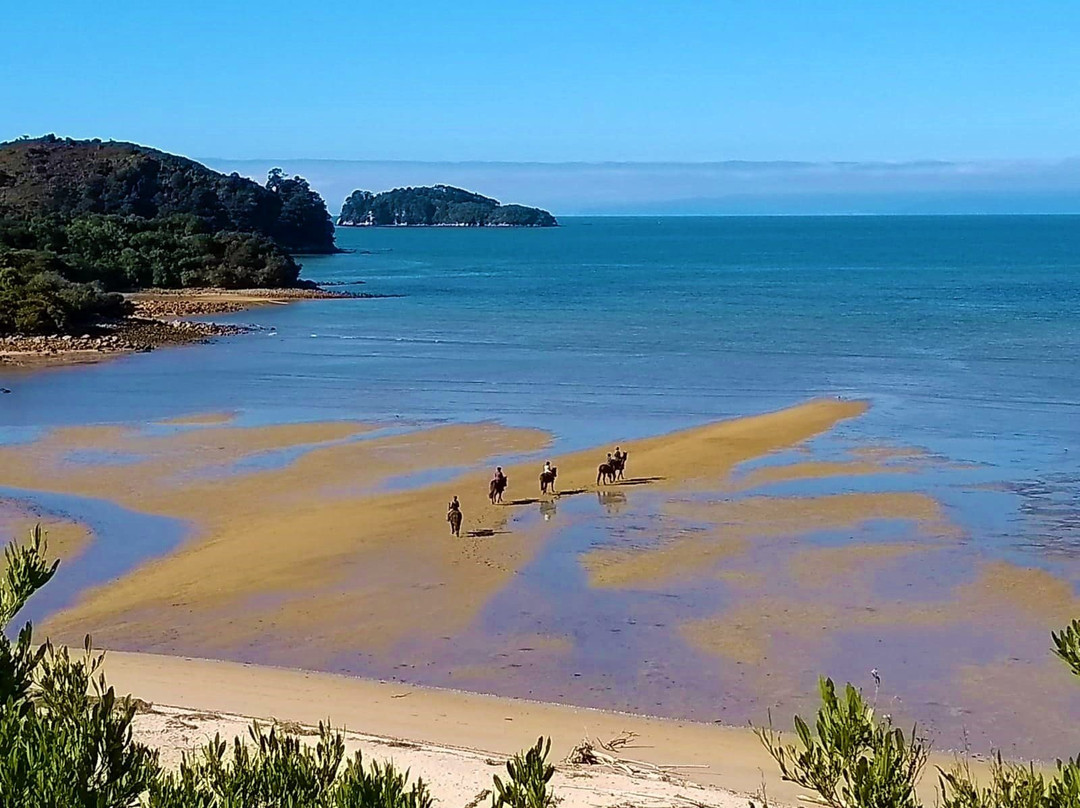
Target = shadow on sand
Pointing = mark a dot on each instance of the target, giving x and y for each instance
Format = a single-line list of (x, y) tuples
[(638, 481), (485, 532)]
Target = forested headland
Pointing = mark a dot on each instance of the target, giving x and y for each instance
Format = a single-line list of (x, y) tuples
[(83, 220), (434, 206)]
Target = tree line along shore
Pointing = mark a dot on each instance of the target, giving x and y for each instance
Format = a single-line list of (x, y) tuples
[(84, 223)]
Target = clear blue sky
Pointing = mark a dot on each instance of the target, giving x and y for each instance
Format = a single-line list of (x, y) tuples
[(589, 81)]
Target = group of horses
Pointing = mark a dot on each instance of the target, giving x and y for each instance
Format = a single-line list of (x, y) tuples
[(607, 473), (611, 469)]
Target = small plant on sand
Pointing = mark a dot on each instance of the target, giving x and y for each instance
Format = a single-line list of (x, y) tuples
[(529, 773), (1067, 645), (851, 758), (65, 736), (276, 769), (1012, 786)]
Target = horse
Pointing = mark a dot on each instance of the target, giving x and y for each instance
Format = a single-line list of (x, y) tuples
[(547, 478), (454, 518), (619, 464), (496, 488), (606, 472)]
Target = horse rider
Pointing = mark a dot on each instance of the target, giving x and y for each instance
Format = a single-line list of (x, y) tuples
[(547, 467), (453, 506), (499, 478), (618, 454)]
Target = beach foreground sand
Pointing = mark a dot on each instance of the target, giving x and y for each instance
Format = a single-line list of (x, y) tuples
[(454, 740)]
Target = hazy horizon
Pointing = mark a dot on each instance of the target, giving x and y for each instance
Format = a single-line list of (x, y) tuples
[(735, 187)]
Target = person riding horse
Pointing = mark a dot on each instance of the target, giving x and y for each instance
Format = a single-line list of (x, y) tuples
[(453, 516), (618, 462), (547, 478), (497, 486)]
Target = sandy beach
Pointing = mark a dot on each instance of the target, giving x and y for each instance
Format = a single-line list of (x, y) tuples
[(454, 740)]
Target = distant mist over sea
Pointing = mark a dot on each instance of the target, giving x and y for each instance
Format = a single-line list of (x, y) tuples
[(735, 187)]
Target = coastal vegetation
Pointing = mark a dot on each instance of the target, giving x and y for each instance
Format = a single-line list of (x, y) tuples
[(853, 758), (437, 205), (80, 220), (67, 739)]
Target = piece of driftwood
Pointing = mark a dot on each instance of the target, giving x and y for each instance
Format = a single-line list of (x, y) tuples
[(590, 752)]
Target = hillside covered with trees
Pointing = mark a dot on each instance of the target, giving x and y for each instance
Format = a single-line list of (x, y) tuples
[(82, 220), (438, 205)]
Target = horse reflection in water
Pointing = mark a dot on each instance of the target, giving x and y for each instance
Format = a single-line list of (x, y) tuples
[(612, 501), (548, 509)]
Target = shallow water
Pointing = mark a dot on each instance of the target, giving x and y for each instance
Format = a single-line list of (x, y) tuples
[(964, 333)]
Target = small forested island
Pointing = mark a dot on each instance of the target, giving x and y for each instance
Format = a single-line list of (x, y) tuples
[(436, 206), (84, 220)]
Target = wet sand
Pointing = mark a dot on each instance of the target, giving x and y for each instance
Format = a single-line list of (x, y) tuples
[(66, 538), (312, 553), (325, 546)]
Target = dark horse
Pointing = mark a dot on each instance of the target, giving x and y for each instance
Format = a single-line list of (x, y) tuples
[(496, 488), (453, 516), (618, 463), (605, 472), (547, 479)]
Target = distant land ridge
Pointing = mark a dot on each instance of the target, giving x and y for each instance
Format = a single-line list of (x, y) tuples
[(436, 206)]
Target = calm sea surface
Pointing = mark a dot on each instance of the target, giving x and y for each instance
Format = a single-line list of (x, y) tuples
[(964, 332)]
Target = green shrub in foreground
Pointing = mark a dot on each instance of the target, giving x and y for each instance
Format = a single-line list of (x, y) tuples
[(65, 736), (852, 759)]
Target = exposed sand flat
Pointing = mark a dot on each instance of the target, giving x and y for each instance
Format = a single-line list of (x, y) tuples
[(825, 567), (312, 553), (736, 522), (1003, 601), (322, 557), (812, 470), (67, 538), (200, 419)]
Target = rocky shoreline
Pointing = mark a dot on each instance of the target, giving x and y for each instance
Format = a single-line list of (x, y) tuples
[(199, 302), (134, 335), (155, 324)]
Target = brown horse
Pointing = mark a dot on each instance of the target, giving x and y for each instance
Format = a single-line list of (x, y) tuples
[(496, 488), (454, 518), (619, 464), (547, 479), (605, 472)]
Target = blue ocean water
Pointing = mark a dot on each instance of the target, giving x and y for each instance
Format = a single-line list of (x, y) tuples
[(964, 332)]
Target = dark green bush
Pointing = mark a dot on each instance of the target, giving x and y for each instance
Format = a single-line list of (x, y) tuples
[(65, 736), (37, 299), (277, 769), (851, 758)]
